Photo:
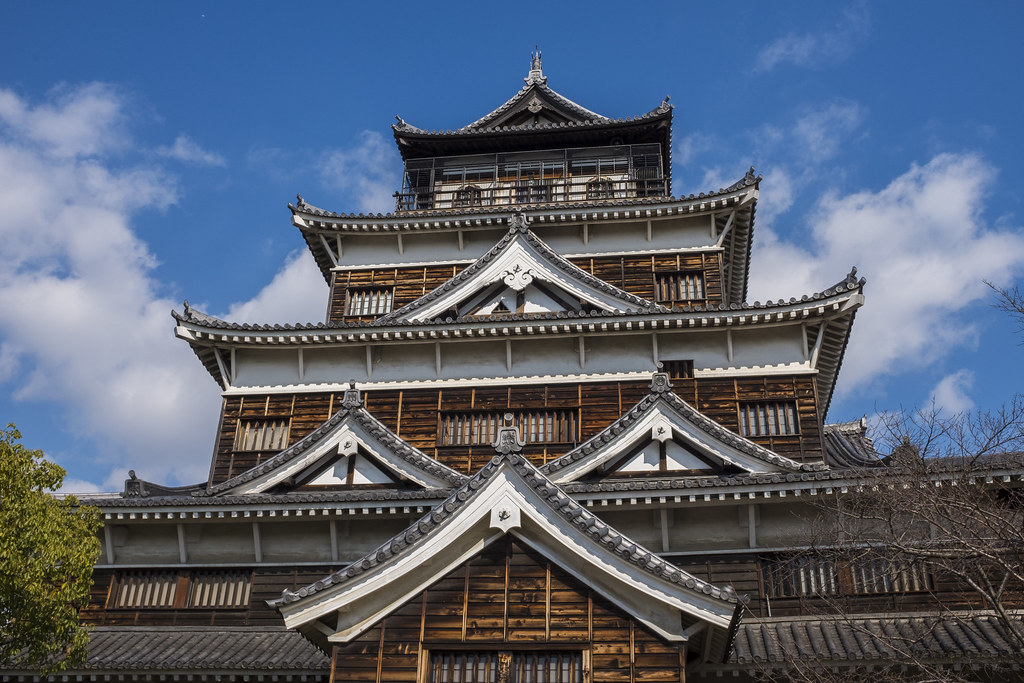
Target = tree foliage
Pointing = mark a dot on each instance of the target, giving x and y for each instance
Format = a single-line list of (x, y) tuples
[(48, 546)]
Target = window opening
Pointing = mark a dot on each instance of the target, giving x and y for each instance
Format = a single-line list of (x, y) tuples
[(261, 435), (768, 418), (206, 589), (366, 301), (679, 286), (481, 428)]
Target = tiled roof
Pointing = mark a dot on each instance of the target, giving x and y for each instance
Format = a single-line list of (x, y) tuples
[(586, 522), (248, 649), (850, 283), (352, 407), (661, 391), (519, 228), (847, 445), (852, 641), (305, 208)]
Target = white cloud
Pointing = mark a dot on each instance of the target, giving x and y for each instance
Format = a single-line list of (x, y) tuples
[(818, 48), (84, 326), (950, 395), (692, 146), (819, 132), (297, 294), (188, 150), (925, 250), (81, 121), (370, 171)]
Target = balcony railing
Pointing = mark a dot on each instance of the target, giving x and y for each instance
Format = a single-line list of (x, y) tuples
[(529, 192)]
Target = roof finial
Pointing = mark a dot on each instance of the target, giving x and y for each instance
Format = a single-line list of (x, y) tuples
[(536, 74)]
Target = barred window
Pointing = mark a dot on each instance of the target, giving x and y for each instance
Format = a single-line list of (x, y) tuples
[(481, 428), (768, 418), (261, 435), (468, 196), (800, 576), (876, 575), (680, 286), (812, 575), (600, 189), (678, 369), (506, 667), (365, 301), (208, 589)]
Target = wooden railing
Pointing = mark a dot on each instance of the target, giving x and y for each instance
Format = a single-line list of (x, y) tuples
[(541, 191)]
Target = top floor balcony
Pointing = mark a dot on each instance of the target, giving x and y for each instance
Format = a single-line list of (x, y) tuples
[(540, 177)]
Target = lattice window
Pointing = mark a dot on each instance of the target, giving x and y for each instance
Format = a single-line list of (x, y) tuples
[(535, 426), (219, 589), (364, 301), (678, 369), (208, 589), (875, 575), (533, 194), (768, 418), (600, 189), (468, 196), (800, 576), (262, 435), (680, 286), (145, 589), (506, 667)]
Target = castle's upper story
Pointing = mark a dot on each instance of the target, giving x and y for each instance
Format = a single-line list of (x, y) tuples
[(539, 147)]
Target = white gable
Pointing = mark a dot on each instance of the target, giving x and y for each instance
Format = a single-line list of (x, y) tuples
[(337, 473), (505, 502), (688, 446), (521, 275)]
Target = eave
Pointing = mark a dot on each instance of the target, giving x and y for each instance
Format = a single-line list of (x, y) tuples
[(324, 231)]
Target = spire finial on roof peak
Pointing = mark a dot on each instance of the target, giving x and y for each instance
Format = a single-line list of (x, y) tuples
[(536, 74)]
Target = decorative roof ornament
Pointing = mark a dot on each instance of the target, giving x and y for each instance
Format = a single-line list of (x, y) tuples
[(509, 439), (352, 398), (518, 222), (536, 74), (660, 383)]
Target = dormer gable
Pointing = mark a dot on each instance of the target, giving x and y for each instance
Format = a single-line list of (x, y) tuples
[(510, 496), (665, 435), (520, 275), (351, 449)]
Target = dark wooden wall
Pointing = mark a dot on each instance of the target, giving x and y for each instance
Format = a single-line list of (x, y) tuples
[(634, 274), (506, 598), (414, 414)]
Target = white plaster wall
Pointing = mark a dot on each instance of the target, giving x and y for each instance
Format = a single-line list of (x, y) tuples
[(297, 541), (219, 542), (143, 544), (767, 345), (432, 246), (335, 364), (266, 366)]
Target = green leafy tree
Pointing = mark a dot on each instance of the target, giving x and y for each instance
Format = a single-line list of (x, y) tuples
[(48, 546)]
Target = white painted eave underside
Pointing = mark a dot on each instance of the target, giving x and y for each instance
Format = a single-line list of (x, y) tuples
[(356, 603), (467, 219), (840, 304)]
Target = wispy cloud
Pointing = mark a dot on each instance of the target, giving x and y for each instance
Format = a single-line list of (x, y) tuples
[(820, 131), (827, 46), (188, 150), (922, 244), (369, 171), (951, 395)]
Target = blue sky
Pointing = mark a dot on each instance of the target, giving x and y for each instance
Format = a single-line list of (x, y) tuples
[(147, 152)]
